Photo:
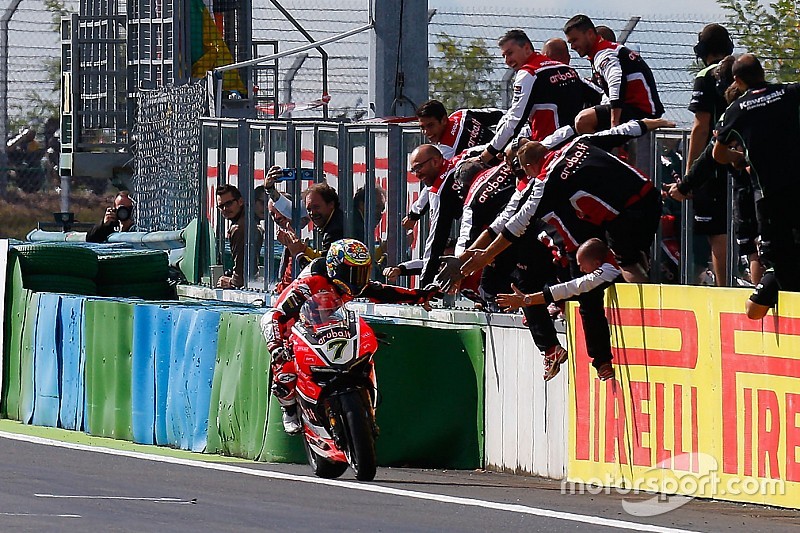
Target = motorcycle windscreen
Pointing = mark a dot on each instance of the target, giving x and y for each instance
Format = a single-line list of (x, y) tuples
[(323, 311)]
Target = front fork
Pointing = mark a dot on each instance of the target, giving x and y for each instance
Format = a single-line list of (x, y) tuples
[(337, 421)]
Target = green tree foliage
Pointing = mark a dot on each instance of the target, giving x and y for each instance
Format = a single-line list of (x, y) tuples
[(58, 8), (771, 32), (463, 79)]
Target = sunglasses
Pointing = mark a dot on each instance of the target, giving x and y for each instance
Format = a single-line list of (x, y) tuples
[(226, 205)]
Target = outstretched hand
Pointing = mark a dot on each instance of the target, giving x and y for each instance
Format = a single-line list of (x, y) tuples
[(511, 302), (477, 260), (430, 293), (657, 123), (391, 273), (449, 274), (674, 193)]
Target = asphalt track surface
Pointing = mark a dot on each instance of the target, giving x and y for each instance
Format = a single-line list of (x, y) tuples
[(54, 480)]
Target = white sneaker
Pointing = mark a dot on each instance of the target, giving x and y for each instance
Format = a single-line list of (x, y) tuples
[(291, 423)]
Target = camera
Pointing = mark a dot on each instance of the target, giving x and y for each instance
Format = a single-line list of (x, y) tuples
[(124, 213)]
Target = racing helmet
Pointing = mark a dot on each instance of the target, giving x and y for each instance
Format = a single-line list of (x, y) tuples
[(348, 264)]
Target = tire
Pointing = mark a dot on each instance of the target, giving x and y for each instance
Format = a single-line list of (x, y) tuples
[(61, 284), (360, 438), (322, 466), (132, 266), (149, 290), (57, 259)]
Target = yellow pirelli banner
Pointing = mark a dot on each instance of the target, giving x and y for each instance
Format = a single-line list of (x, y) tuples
[(706, 402)]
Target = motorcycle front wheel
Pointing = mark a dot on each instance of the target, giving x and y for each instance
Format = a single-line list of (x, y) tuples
[(361, 439), (322, 466)]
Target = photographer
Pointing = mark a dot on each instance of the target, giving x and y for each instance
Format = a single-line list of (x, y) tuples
[(117, 218)]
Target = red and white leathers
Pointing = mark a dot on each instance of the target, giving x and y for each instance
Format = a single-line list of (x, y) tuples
[(276, 324), (547, 95), (625, 78), (581, 185), (466, 128)]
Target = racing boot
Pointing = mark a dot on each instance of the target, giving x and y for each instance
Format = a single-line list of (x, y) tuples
[(291, 422)]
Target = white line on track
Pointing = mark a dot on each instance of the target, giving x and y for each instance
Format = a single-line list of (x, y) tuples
[(42, 515), (130, 498), (364, 487)]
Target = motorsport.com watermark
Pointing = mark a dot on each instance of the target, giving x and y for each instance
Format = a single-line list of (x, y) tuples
[(670, 489)]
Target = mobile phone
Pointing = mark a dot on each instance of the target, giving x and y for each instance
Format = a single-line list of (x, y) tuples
[(288, 174)]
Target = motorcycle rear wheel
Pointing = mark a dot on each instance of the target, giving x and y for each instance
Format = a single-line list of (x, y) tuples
[(361, 439), (322, 466)]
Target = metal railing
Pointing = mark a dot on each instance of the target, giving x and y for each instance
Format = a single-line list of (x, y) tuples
[(375, 156)]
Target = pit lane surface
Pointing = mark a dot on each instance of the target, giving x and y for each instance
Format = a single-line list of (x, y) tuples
[(52, 485)]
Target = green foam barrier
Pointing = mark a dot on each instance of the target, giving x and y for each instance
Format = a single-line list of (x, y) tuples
[(109, 342)]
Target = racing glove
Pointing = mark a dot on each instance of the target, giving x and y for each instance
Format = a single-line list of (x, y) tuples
[(280, 355), (430, 293)]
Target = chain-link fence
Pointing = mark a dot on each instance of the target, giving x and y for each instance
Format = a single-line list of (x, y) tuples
[(167, 156), (33, 64)]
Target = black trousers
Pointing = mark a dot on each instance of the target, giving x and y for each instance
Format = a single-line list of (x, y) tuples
[(529, 265)]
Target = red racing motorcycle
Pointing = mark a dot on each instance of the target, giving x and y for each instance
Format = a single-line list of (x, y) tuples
[(336, 387)]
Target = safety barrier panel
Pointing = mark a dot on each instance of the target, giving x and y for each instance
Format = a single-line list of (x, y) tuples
[(240, 393), (706, 402), (16, 305), (526, 417), (3, 273), (73, 358), (109, 336), (152, 240)]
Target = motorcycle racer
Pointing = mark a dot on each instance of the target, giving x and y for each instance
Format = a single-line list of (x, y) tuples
[(344, 272)]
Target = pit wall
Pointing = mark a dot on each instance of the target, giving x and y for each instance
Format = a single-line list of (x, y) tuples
[(526, 419), (195, 376)]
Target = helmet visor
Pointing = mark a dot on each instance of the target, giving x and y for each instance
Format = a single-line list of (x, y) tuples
[(355, 277)]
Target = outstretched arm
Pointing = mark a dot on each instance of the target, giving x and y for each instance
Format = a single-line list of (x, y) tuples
[(622, 133)]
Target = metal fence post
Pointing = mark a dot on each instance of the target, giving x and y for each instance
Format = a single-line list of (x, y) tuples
[(396, 196), (656, 250), (687, 234), (344, 165), (246, 188), (4, 22)]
